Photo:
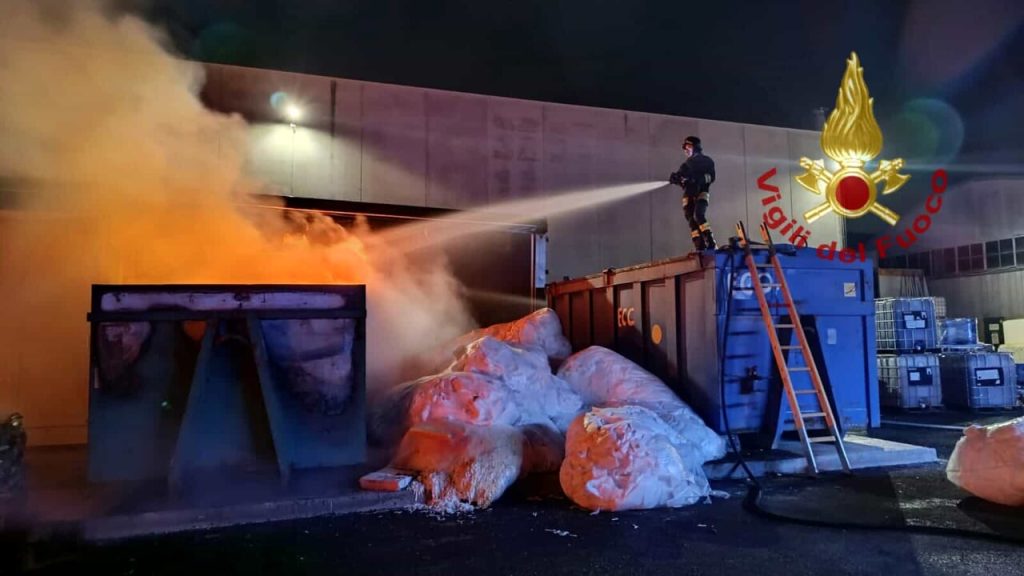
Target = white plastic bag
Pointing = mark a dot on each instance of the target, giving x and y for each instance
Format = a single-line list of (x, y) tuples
[(988, 461), (540, 396), (462, 397), (541, 329), (457, 396), (627, 458), (461, 464), (603, 377)]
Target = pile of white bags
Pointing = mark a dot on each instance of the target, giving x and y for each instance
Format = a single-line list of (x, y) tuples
[(490, 382), (497, 413), (988, 461), (642, 447), (462, 464), (541, 397), (628, 458), (541, 329), (462, 397), (605, 378)]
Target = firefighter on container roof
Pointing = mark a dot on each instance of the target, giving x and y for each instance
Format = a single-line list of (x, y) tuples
[(695, 176)]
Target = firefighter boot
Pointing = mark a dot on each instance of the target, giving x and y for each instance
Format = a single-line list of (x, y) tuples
[(698, 240), (707, 237)]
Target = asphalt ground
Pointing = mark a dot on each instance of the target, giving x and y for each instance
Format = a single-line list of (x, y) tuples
[(946, 426), (526, 534)]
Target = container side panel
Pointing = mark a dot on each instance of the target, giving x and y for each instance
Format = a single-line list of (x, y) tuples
[(580, 335), (842, 340), (629, 342), (604, 317), (701, 391), (659, 328)]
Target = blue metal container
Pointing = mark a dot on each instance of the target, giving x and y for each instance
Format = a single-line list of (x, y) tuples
[(214, 380), (670, 317)]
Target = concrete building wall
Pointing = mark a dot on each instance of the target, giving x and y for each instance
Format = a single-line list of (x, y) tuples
[(422, 147), (982, 295), (973, 213), (978, 210)]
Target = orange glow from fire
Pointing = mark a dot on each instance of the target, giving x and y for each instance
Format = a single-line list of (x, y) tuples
[(124, 177)]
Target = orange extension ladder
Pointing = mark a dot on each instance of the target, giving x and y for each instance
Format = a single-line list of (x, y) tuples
[(785, 370)]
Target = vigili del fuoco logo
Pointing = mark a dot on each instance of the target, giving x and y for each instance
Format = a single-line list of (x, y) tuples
[(852, 138)]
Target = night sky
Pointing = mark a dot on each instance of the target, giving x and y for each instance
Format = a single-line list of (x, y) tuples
[(930, 65)]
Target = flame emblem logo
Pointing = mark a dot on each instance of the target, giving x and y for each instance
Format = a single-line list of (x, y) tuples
[(852, 138)]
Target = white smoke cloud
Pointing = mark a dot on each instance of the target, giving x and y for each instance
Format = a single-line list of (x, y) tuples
[(124, 177)]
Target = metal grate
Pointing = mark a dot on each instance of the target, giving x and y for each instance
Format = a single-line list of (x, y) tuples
[(905, 325)]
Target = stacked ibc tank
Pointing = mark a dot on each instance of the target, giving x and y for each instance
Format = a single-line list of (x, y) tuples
[(906, 325), (976, 380), (960, 335), (973, 375), (907, 341)]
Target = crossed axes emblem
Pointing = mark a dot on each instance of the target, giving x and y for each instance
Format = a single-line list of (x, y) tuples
[(821, 181)]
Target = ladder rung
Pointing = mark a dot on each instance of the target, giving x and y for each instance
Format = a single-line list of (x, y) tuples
[(771, 310)]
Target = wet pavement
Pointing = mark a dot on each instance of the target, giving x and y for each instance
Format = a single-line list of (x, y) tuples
[(546, 537), (946, 430), (520, 535)]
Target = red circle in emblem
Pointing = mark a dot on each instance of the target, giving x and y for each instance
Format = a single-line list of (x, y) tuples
[(852, 193)]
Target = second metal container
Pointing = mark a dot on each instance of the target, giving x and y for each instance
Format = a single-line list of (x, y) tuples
[(670, 317)]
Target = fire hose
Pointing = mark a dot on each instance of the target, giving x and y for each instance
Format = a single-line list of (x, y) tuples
[(752, 500)]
